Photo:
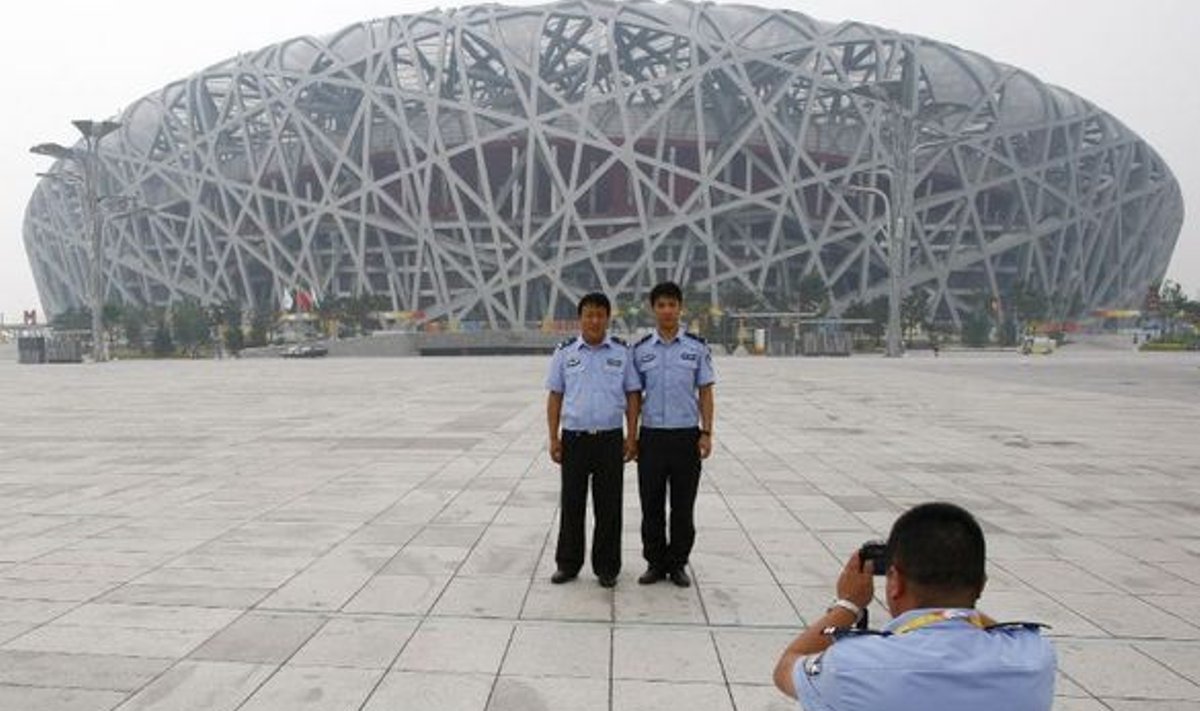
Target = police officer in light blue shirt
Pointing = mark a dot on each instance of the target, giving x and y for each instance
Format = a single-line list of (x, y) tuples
[(938, 652), (593, 388), (677, 379)]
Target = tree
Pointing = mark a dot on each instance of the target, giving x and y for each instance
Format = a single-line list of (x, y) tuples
[(1172, 304), (977, 328), (360, 310), (190, 325), (1191, 312), (913, 312), (735, 297), (231, 317), (1028, 303), (163, 344), (262, 321), (133, 323), (814, 295), (857, 310), (697, 306), (977, 323), (878, 310), (110, 318)]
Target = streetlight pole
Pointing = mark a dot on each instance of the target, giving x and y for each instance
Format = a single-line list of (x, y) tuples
[(898, 100), (89, 161), (893, 343)]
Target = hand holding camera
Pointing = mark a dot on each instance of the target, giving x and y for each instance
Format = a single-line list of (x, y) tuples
[(876, 553), (855, 584)]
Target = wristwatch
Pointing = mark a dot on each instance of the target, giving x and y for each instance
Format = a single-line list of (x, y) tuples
[(845, 605), (706, 432)]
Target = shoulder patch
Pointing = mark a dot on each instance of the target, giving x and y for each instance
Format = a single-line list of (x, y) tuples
[(1029, 626), (565, 343), (643, 339), (839, 633), (619, 341), (812, 665), (694, 337)]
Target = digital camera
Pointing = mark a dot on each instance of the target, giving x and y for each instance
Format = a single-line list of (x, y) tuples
[(877, 552)]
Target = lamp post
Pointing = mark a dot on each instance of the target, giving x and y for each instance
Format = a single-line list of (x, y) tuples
[(893, 243), (906, 119), (88, 160)]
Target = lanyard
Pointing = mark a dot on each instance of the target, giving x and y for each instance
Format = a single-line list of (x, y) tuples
[(972, 617)]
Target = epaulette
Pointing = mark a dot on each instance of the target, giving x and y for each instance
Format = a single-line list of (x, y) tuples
[(839, 633), (619, 340), (694, 337), (565, 343), (643, 339), (1030, 626)]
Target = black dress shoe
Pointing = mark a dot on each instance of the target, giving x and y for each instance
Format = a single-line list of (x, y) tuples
[(680, 577), (651, 576), (561, 576), (608, 581)]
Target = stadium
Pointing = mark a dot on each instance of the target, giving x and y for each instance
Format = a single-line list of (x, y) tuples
[(490, 164)]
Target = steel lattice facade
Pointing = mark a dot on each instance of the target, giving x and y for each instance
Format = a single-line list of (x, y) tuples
[(492, 164)]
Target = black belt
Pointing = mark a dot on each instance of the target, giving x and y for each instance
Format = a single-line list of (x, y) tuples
[(591, 433)]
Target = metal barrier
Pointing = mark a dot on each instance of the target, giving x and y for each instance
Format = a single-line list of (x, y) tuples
[(31, 350), (825, 343), (35, 350)]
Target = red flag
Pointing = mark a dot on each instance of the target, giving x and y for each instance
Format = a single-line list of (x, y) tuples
[(304, 300)]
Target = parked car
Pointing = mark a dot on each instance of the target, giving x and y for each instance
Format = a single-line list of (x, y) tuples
[(305, 351), (1043, 345)]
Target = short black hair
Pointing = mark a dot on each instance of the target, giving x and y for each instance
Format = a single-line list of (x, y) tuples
[(595, 299), (939, 546), (668, 289)]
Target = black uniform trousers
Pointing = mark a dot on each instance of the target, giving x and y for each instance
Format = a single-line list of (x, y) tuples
[(600, 458), (668, 464)]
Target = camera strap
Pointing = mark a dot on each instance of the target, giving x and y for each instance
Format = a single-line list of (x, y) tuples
[(971, 617), (974, 618)]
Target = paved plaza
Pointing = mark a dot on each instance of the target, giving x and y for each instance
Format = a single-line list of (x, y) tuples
[(370, 534)]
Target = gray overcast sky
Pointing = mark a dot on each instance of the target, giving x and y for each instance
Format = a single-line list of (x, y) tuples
[(75, 59)]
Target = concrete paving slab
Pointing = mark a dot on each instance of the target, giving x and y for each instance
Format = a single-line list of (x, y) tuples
[(295, 688), (79, 671), (201, 686), (515, 693), (468, 692), (630, 695), (224, 535), (365, 643), (47, 699), (560, 650)]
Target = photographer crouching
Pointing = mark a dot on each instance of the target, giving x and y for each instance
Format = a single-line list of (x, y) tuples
[(938, 652)]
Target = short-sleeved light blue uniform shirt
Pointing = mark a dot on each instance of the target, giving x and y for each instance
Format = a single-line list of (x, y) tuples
[(593, 381), (670, 373), (948, 665)]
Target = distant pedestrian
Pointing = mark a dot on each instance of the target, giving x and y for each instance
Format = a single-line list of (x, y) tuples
[(593, 386), (677, 379)]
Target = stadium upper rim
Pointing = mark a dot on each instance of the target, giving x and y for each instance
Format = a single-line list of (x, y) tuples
[(959, 75), (1007, 102)]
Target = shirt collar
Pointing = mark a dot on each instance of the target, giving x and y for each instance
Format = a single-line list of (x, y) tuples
[(659, 339), (580, 343), (911, 615)]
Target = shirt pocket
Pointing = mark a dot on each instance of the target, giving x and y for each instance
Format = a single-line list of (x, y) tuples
[(647, 363), (574, 369), (689, 361), (613, 367)]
